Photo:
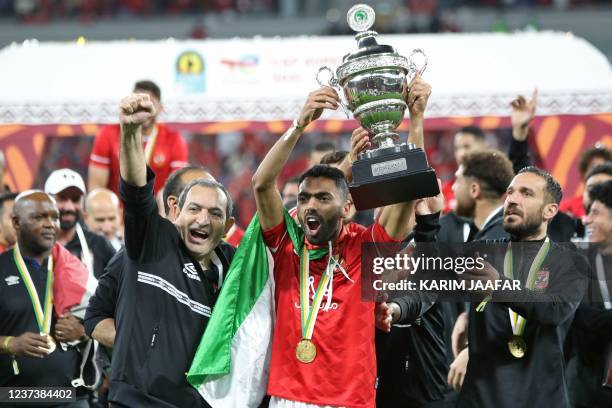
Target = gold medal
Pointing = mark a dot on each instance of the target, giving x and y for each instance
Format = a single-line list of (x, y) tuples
[(517, 346), (306, 351), (51, 345)]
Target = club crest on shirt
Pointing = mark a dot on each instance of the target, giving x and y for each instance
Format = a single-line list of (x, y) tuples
[(327, 304), (12, 280), (541, 282), (190, 270), (159, 159)]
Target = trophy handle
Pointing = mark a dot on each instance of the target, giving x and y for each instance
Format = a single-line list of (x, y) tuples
[(413, 68), (332, 82)]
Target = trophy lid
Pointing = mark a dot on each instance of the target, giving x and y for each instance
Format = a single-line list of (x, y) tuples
[(361, 18)]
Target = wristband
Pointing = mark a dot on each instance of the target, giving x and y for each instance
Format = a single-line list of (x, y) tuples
[(292, 129), (350, 158), (5, 344), (297, 125)]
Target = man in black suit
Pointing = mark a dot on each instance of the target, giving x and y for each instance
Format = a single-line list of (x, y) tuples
[(480, 185)]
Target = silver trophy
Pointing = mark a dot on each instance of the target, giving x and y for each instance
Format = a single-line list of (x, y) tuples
[(371, 81)]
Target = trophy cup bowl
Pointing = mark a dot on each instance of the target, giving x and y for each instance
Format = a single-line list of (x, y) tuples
[(371, 82), (375, 98)]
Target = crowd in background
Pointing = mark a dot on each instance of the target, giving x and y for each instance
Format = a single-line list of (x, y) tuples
[(477, 182), (41, 11)]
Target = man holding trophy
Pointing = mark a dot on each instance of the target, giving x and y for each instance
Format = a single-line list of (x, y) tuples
[(323, 349)]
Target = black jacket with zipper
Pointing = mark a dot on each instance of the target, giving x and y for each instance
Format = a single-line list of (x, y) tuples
[(164, 301)]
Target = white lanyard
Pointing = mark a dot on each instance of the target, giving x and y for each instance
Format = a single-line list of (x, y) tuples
[(601, 278), (214, 258), (86, 255)]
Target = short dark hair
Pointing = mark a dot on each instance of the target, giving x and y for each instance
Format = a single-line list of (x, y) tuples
[(334, 157), (475, 131), (602, 192), (148, 86), (332, 173), (324, 147), (602, 168), (229, 209), (4, 197), (174, 183), (553, 189), (490, 167), (597, 151), (294, 180)]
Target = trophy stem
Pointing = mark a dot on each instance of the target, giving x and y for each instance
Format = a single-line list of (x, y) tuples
[(386, 138), (386, 141)]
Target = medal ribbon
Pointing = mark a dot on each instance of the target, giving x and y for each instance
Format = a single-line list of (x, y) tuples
[(517, 321), (309, 314), (509, 271), (151, 145), (43, 318)]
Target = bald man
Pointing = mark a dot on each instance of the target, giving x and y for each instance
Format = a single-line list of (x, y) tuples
[(29, 356), (102, 215)]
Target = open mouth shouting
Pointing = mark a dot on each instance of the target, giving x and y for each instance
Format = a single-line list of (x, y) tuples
[(198, 236), (312, 224)]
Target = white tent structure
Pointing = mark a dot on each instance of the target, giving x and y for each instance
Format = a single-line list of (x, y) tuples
[(267, 79), (259, 84)]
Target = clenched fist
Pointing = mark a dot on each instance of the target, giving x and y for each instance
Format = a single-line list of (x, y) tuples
[(136, 110)]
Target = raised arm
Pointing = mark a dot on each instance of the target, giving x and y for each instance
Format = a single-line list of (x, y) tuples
[(395, 219), (416, 96), (523, 112), (265, 180), (135, 110)]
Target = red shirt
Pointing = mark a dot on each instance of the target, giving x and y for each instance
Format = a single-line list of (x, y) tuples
[(573, 206), (234, 236), (169, 154), (450, 204), (344, 370)]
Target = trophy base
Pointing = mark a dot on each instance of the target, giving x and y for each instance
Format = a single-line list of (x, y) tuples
[(391, 175)]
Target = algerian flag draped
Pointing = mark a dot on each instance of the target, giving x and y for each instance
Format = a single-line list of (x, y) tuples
[(230, 368)]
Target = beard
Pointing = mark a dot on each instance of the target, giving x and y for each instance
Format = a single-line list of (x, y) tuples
[(66, 225), (466, 209), (327, 231), (529, 225)]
